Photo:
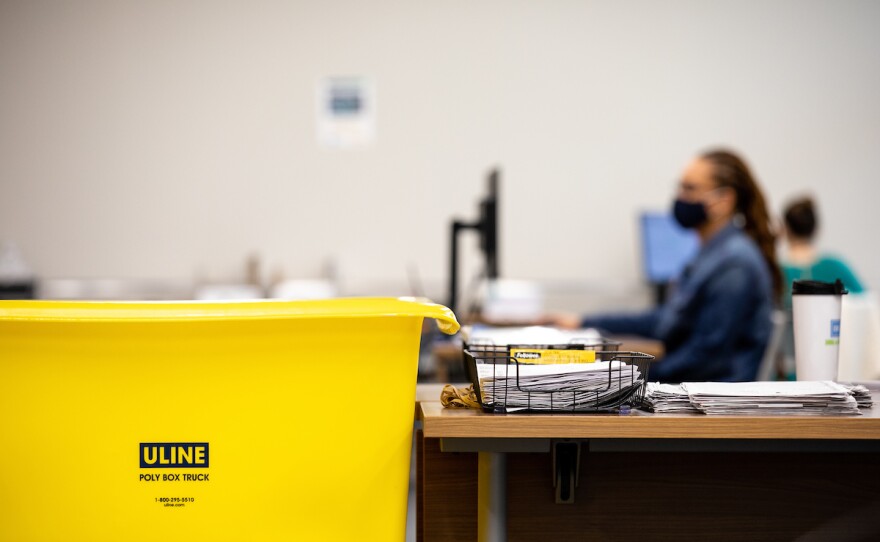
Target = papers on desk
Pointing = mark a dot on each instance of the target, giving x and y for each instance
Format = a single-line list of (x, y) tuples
[(757, 398), (558, 387), (771, 398)]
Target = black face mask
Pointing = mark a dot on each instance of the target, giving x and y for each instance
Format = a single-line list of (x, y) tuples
[(688, 214)]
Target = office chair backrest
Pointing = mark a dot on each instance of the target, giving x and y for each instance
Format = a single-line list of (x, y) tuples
[(767, 370)]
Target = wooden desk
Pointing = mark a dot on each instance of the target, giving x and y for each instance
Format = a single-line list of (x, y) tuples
[(650, 476)]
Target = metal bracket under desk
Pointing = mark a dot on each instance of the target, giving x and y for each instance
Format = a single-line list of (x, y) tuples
[(566, 469)]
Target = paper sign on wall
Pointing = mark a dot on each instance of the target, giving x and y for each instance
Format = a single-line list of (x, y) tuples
[(346, 112)]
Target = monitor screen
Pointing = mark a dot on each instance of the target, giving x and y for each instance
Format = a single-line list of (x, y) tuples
[(666, 246)]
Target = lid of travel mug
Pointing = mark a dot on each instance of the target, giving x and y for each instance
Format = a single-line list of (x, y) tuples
[(816, 287)]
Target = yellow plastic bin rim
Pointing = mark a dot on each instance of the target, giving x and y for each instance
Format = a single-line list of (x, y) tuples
[(141, 311)]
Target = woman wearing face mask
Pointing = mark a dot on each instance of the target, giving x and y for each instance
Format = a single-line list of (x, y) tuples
[(716, 323)]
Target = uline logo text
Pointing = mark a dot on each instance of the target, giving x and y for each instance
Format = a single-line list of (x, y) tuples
[(174, 455)]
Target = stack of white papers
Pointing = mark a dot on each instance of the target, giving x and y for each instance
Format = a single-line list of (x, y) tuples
[(771, 398), (668, 398), (558, 387)]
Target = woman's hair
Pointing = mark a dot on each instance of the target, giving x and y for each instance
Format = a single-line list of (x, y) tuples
[(731, 171), (800, 218)]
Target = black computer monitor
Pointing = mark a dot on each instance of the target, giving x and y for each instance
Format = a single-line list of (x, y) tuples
[(487, 228), (666, 248)]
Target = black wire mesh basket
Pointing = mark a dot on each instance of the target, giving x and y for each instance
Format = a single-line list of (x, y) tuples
[(577, 377)]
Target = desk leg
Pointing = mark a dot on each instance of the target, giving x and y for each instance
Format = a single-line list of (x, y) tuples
[(492, 504)]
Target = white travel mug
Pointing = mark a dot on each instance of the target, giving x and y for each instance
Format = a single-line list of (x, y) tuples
[(816, 318)]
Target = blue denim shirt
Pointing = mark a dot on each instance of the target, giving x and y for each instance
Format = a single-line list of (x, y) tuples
[(717, 322)]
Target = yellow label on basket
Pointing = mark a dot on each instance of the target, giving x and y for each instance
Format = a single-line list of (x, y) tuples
[(540, 356)]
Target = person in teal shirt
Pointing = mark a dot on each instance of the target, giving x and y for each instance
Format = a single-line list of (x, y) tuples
[(805, 262)]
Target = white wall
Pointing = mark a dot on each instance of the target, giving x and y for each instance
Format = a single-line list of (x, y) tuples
[(171, 139)]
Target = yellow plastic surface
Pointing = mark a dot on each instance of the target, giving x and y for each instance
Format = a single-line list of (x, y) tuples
[(307, 409)]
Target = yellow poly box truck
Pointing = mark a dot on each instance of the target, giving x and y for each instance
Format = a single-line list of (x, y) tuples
[(263, 421)]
